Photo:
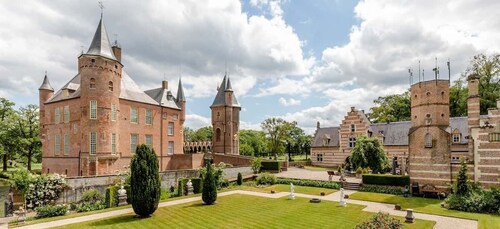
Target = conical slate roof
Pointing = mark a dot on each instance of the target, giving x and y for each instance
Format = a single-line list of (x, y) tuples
[(100, 43), (46, 84), (220, 98), (180, 93)]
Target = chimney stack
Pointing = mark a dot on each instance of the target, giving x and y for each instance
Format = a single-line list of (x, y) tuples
[(317, 125), (164, 84)]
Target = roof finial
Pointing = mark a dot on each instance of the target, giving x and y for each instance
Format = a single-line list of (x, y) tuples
[(102, 7)]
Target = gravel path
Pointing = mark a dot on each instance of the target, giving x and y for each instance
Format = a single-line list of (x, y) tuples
[(312, 175), (442, 222)]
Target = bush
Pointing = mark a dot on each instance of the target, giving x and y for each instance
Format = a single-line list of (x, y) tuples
[(380, 220), (256, 164), (359, 170), (395, 190), (44, 189), (310, 183), (266, 179), (209, 194), (462, 184), (164, 194), (111, 199), (239, 181), (383, 179), (476, 200), (271, 165), (145, 181), (91, 200), (50, 211), (181, 184), (197, 185)]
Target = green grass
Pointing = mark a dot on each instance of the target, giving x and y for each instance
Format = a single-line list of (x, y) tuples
[(242, 211), (315, 168), (294, 157), (430, 206), (286, 188)]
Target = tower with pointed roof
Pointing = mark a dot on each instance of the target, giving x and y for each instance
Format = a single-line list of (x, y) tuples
[(225, 120), (44, 93)]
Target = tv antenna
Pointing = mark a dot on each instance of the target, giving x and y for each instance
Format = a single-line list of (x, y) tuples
[(410, 72), (436, 69)]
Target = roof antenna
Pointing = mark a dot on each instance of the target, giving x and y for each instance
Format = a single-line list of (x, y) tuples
[(436, 69), (419, 71), (423, 74), (449, 72), (101, 6), (410, 71)]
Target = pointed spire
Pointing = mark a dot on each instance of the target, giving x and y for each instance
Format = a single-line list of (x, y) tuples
[(100, 43), (229, 87), (180, 92), (223, 84), (46, 84)]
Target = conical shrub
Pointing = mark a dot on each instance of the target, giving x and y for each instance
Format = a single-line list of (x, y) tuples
[(144, 181), (209, 194)]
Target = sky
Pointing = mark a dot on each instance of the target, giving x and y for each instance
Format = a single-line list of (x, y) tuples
[(302, 60)]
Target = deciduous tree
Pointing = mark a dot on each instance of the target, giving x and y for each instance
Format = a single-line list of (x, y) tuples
[(368, 152)]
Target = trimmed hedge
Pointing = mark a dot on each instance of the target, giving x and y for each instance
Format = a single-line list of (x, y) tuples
[(383, 179), (394, 190), (266, 179), (271, 165), (50, 211), (111, 199), (310, 183), (197, 186)]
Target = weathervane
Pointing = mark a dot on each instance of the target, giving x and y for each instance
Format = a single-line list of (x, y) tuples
[(101, 6), (436, 69)]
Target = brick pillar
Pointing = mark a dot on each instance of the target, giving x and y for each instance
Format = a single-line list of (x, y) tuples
[(473, 101)]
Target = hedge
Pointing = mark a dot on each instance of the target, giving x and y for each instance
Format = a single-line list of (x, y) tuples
[(394, 190), (50, 211), (271, 165), (111, 199), (311, 183), (197, 186), (383, 179)]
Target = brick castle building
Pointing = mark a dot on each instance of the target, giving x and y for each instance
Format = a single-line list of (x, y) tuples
[(431, 144), (92, 125)]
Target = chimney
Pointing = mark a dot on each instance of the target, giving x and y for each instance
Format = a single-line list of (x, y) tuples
[(117, 51), (317, 125), (164, 84), (473, 107)]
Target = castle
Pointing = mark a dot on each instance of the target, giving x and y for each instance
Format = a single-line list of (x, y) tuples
[(93, 124), (430, 146)]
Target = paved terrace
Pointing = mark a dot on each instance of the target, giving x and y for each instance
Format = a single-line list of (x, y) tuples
[(312, 175)]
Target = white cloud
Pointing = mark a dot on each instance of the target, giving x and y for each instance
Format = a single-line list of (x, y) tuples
[(291, 102), (195, 121)]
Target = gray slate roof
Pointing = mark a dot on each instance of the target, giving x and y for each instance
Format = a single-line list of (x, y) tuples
[(163, 97), (46, 84), (100, 43), (180, 93), (395, 133), (220, 98)]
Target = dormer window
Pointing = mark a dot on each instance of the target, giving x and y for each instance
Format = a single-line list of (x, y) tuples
[(92, 83), (110, 85), (456, 138)]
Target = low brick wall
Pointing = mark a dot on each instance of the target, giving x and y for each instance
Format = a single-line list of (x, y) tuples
[(235, 160), (77, 185)]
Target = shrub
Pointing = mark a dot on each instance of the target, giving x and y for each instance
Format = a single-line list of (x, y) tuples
[(395, 190), (256, 164), (359, 170), (239, 181), (209, 194), (218, 173), (271, 165), (266, 179), (310, 183), (476, 200), (144, 181), (181, 184), (91, 200), (164, 194), (380, 220), (111, 199), (383, 179), (197, 185), (462, 186), (44, 189), (50, 211)]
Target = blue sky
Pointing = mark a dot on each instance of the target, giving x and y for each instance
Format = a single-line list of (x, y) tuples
[(303, 61)]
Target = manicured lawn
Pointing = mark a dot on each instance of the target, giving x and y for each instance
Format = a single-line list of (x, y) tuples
[(431, 206), (242, 211), (286, 188), (315, 168)]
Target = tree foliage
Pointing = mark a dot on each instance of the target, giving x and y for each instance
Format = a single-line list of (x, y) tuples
[(27, 129), (203, 134), (369, 152), (209, 193), (144, 181), (252, 142), (7, 139), (462, 185), (280, 134), (391, 108), (488, 70)]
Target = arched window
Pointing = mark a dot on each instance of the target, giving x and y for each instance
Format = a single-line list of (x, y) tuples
[(110, 85), (428, 140), (217, 135), (92, 83)]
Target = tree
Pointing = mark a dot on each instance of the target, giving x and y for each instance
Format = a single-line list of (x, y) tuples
[(278, 133), (458, 98), (246, 150), (488, 70), (7, 115), (209, 193), (27, 129), (21, 181), (462, 186), (255, 139), (144, 181), (368, 152), (391, 108)]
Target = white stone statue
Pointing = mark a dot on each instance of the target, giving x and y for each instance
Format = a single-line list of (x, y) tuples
[(342, 202), (189, 186), (122, 196), (292, 192)]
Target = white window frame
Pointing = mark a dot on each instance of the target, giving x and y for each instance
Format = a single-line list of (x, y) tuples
[(66, 144), (113, 143), (93, 109), (150, 141), (428, 140), (170, 148), (352, 142), (57, 115), (57, 144), (170, 129), (134, 142), (66, 114), (456, 138), (113, 112), (134, 115), (319, 157), (92, 143), (149, 117)]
